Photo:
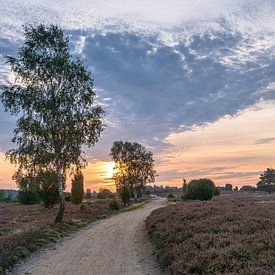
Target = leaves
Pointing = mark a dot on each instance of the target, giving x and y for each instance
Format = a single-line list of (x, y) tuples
[(134, 167), (54, 98)]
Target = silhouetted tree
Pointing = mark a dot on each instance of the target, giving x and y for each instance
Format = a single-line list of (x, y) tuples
[(88, 194), (184, 186), (228, 187), (54, 98), (77, 191), (267, 180), (105, 194), (134, 168)]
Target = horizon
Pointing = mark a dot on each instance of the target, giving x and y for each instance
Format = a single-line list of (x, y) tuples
[(193, 81)]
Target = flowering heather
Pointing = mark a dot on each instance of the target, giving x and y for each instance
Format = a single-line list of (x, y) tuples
[(233, 233), (26, 228)]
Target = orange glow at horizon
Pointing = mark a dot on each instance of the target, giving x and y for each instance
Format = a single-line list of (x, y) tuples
[(234, 149)]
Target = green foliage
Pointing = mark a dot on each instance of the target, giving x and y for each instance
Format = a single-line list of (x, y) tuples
[(267, 181), (67, 196), (201, 189), (44, 184), (77, 188), (105, 194), (125, 194), (134, 168), (28, 197), (228, 187), (248, 188), (48, 188), (170, 196), (83, 207), (53, 97), (114, 205), (2, 194), (216, 191)]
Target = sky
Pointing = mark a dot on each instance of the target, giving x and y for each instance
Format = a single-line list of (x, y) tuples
[(192, 80)]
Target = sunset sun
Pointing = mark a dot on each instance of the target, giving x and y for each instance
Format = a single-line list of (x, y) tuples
[(109, 169)]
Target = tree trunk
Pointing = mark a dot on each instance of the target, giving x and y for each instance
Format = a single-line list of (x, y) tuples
[(60, 214)]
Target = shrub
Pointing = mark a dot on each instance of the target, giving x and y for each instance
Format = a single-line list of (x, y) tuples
[(28, 197), (114, 205), (125, 194), (77, 188), (228, 187), (216, 191), (88, 194), (248, 188), (201, 189), (67, 196), (170, 196), (105, 194), (83, 207), (42, 184)]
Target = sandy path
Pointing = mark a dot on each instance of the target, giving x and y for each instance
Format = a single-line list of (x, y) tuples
[(117, 245)]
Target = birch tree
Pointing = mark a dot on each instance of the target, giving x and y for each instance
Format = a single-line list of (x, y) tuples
[(53, 97)]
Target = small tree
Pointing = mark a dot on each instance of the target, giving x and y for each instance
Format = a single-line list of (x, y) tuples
[(54, 98), (267, 181), (77, 188), (134, 168), (201, 189)]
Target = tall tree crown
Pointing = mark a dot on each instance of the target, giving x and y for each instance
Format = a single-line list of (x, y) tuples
[(54, 98)]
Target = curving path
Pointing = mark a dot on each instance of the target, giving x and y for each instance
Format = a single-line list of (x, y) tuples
[(116, 245)]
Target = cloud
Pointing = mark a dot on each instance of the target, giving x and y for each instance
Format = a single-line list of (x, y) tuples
[(225, 150), (160, 67), (265, 140)]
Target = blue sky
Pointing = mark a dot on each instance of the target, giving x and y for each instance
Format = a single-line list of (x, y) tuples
[(164, 70)]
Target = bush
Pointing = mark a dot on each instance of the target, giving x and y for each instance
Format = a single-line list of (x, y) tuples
[(248, 188), (28, 197), (77, 188), (83, 207), (67, 196), (201, 189), (114, 205), (216, 191), (105, 194), (88, 194), (170, 196), (43, 184)]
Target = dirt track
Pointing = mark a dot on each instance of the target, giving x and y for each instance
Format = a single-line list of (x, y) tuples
[(117, 245)]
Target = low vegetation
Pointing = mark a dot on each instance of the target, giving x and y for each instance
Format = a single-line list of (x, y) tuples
[(26, 228), (201, 189), (233, 233)]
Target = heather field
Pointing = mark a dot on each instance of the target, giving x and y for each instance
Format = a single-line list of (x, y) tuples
[(26, 228), (233, 233)]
